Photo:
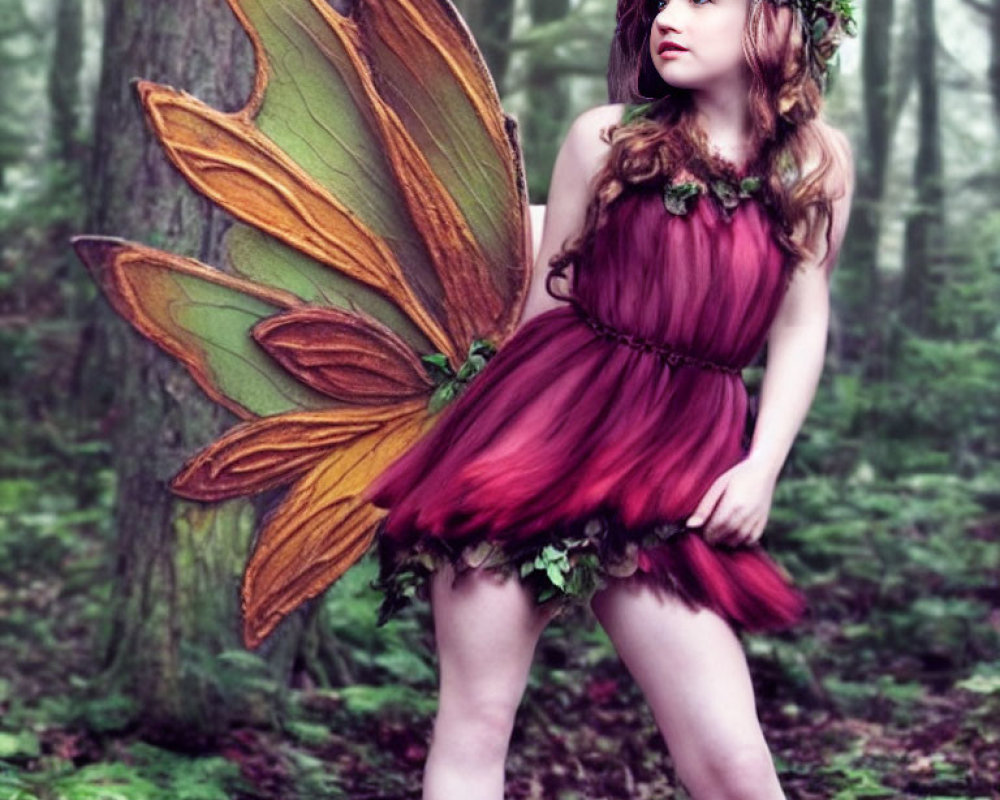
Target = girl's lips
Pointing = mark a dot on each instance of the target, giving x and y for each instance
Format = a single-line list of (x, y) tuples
[(670, 47)]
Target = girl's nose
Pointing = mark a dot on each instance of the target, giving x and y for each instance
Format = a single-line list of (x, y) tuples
[(668, 18)]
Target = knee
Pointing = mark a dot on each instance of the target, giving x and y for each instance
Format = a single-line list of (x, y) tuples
[(475, 730), (745, 772)]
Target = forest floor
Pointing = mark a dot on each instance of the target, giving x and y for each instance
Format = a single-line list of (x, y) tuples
[(847, 714)]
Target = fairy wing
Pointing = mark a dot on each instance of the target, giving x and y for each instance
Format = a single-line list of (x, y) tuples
[(383, 218)]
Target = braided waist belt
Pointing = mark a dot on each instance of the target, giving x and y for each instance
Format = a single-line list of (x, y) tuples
[(669, 354)]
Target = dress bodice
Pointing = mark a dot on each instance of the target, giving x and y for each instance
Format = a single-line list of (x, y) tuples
[(705, 282)]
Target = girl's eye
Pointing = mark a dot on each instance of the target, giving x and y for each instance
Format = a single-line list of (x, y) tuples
[(662, 4)]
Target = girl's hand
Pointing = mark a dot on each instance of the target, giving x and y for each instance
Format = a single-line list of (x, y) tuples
[(735, 508)]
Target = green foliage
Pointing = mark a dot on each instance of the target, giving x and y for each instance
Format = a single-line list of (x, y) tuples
[(183, 777), (391, 697), (965, 304), (400, 650), (313, 777), (898, 565), (18, 745), (883, 696), (105, 714), (451, 384), (311, 734), (39, 528), (50, 411), (853, 782), (146, 772), (946, 397), (985, 680)]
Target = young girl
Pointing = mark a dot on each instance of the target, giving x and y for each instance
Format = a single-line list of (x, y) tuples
[(600, 456)]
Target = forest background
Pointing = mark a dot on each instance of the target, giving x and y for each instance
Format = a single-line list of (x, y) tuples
[(121, 670)]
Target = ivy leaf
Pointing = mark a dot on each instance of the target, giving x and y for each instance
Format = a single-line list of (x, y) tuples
[(477, 555), (466, 371), (547, 594), (583, 580), (443, 395), (438, 366), (749, 185), (555, 574), (634, 111), (727, 194), (677, 198)]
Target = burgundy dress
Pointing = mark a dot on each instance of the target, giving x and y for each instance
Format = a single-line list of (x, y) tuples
[(577, 454)]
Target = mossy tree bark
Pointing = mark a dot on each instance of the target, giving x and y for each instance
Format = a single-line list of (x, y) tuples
[(173, 641)]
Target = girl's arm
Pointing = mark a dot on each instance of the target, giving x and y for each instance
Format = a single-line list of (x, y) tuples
[(736, 506), (580, 157), (796, 350), (796, 345)]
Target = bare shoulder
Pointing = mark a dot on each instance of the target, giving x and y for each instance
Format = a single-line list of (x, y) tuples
[(599, 117), (585, 142)]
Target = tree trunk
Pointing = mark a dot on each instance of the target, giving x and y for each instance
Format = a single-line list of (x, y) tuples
[(925, 225), (13, 139), (64, 79), (491, 24), (994, 73), (547, 106), (862, 244), (177, 565)]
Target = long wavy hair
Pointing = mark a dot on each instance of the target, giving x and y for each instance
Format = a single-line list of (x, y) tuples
[(785, 104)]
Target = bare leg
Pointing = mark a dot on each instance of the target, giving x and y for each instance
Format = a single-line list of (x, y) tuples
[(486, 630), (692, 670)]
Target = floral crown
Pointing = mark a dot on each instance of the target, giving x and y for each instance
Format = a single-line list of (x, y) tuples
[(824, 25)]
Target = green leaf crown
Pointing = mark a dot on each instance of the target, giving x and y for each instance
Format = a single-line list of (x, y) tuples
[(824, 24)]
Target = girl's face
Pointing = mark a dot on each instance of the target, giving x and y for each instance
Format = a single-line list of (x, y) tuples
[(698, 43)]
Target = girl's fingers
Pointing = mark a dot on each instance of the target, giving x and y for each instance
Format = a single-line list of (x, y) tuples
[(706, 507), (736, 530), (754, 530), (723, 525), (712, 528), (739, 536)]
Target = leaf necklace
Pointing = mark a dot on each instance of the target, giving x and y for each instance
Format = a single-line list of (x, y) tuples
[(678, 198)]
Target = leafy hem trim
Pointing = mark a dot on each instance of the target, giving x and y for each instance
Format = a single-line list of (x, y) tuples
[(562, 570)]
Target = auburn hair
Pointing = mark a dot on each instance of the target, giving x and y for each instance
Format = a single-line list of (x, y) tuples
[(787, 134)]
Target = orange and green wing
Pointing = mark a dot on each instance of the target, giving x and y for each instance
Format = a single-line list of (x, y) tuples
[(382, 221)]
